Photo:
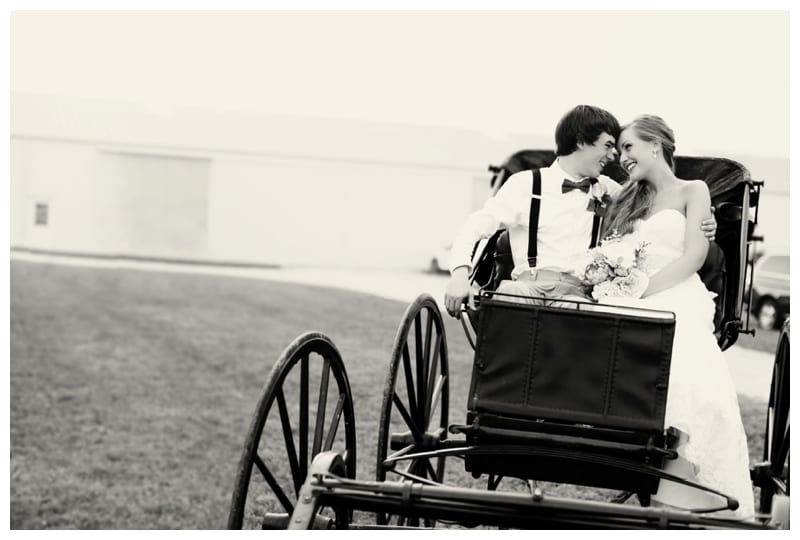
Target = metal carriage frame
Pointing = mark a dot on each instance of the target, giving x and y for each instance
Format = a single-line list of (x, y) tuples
[(534, 444)]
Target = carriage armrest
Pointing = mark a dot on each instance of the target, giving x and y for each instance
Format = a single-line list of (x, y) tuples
[(494, 262)]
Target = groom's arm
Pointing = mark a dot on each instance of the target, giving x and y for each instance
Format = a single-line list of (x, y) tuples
[(709, 226), (502, 208)]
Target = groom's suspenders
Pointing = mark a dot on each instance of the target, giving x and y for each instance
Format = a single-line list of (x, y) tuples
[(596, 222), (533, 220)]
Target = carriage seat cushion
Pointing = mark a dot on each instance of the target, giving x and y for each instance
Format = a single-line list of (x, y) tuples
[(503, 260), (712, 273)]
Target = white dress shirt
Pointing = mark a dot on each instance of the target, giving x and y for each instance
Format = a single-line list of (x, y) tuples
[(565, 224)]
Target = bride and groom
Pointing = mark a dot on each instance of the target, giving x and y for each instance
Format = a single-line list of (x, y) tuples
[(670, 214)]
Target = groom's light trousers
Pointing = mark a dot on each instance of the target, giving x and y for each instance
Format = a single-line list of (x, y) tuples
[(544, 286)]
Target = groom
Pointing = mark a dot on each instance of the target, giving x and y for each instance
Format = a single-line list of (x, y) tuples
[(564, 200)]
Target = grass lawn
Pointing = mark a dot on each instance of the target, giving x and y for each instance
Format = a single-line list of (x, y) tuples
[(131, 392)]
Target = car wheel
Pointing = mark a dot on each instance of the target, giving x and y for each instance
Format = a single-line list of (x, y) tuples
[(769, 314)]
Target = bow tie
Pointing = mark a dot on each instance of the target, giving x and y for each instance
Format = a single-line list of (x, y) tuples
[(583, 185)]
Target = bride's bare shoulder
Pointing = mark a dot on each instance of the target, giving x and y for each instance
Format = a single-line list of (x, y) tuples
[(696, 190), (693, 185)]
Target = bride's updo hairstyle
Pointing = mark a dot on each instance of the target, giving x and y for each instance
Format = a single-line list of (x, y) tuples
[(636, 197)]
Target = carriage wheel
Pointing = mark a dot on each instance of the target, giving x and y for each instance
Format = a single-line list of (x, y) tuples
[(299, 415), (415, 397), (307, 511), (776, 438)]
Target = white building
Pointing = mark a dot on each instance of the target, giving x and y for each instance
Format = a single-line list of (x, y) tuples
[(111, 179), (120, 180)]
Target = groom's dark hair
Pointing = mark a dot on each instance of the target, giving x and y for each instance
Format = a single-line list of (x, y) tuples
[(583, 124)]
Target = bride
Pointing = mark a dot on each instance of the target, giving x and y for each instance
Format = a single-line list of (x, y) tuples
[(666, 212)]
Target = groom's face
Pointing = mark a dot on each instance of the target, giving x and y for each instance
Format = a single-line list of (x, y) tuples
[(596, 155)]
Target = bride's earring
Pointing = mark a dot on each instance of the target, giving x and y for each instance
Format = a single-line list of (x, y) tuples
[(655, 153)]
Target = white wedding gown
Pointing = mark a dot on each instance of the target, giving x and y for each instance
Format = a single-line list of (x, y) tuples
[(701, 400)]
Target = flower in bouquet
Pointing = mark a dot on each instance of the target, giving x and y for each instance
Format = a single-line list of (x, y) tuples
[(634, 284), (616, 268), (596, 272)]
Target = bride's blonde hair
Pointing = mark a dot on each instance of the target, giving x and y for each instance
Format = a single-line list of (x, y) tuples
[(636, 198)]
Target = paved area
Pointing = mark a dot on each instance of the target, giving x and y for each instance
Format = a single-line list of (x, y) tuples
[(751, 370)]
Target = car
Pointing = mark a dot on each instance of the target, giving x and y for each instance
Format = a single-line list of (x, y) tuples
[(440, 263), (770, 302)]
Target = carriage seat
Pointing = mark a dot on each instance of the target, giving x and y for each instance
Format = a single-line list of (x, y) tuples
[(712, 273)]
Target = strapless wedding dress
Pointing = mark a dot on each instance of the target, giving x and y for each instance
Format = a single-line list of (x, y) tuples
[(701, 400)]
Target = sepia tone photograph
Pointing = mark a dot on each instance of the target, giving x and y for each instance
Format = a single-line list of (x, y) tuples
[(399, 269)]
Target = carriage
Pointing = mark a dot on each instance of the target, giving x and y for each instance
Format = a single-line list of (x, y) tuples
[(559, 394)]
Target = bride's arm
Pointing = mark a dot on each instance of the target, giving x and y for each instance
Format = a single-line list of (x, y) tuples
[(695, 242)]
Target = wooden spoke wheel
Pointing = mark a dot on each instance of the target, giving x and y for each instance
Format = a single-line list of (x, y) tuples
[(300, 414), (774, 473), (309, 513), (414, 412)]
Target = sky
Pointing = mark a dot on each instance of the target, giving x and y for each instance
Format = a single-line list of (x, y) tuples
[(720, 79)]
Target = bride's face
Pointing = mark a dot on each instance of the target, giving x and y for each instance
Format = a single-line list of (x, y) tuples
[(635, 154)]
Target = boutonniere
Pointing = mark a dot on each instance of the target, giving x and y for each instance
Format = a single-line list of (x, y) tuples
[(599, 200)]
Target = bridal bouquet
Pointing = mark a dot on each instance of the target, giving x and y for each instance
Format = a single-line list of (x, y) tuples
[(615, 268)]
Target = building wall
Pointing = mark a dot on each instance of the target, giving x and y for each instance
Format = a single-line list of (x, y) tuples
[(118, 180), (773, 222), (773, 211), (158, 204), (61, 175), (304, 212), (230, 207)]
